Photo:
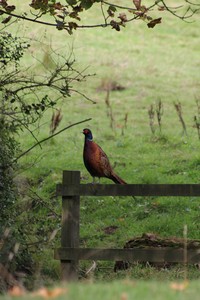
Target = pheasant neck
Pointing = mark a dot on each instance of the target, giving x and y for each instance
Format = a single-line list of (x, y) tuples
[(89, 137)]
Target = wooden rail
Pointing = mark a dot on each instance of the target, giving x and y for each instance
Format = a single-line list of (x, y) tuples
[(69, 254)]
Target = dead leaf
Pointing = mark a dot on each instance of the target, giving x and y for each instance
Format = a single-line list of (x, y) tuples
[(110, 229), (45, 293), (111, 11), (123, 17), (124, 296), (137, 4), (16, 291), (161, 8), (179, 286), (6, 20), (121, 219), (57, 116), (10, 8), (154, 22), (115, 25)]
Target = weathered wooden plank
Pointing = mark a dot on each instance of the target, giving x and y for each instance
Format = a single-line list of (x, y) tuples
[(137, 254), (70, 225), (129, 190)]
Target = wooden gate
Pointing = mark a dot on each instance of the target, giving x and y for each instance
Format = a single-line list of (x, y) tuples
[(70, 253)]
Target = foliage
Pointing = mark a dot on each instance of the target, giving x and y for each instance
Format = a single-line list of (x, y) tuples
[(24, 98), (11, 49), (7, 192), (26, 95), (68, 16)]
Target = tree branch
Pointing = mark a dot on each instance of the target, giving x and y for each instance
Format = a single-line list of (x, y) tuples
[(136, 11), (26, 18), (48, 138), (185, 16)]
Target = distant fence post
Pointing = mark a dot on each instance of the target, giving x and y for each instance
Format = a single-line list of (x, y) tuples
[(70, 225)]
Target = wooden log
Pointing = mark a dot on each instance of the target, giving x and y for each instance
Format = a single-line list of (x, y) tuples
[(181, 190), (136, 254), (70, 225)]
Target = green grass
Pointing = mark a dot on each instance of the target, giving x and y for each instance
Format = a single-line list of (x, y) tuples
[(152, 64), (123, 290)]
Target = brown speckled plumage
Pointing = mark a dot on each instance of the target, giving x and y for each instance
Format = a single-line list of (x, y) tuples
[(96, 161)]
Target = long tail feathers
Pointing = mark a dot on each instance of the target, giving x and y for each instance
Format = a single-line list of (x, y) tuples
[(114, 177)]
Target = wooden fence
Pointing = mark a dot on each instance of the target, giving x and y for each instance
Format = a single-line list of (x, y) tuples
[(70, 253)]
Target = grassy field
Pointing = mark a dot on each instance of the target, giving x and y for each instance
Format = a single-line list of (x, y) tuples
[(122, 290), (152, 65)]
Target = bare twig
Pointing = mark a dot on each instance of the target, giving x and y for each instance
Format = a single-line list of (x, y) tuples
[(151, 114), (91, 268), (35, 196), (137, 14), (159, 113), (83, 95), (197, 118), (185, 253), (178, 108), (109, 108), (197, 125), (55, 121), (48, 138), (103, 14), (183, 17), (125, 123)]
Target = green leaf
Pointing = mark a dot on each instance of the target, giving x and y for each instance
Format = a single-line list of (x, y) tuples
[(112, 8), (71, 2), (86, 4)]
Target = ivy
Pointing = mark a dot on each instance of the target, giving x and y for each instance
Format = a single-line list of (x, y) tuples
[(11, 49)]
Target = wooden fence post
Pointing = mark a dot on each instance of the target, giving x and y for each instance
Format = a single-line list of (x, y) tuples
[(69, 254), (70, 225)]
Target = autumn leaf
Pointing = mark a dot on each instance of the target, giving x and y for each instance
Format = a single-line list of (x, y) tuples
[(161, 8), (3, 3), (58, 6), (10, 8), (74, 15), (154, 22), (72, 25), (179, 286), (115, 25), (39, 4), (111, 10), (110, 229), (137, 3), (122, 17), (124, 296), (46, 293), (6, 20), (16, 291)]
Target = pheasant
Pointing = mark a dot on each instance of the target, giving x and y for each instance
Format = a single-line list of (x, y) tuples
[(96, 161)]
